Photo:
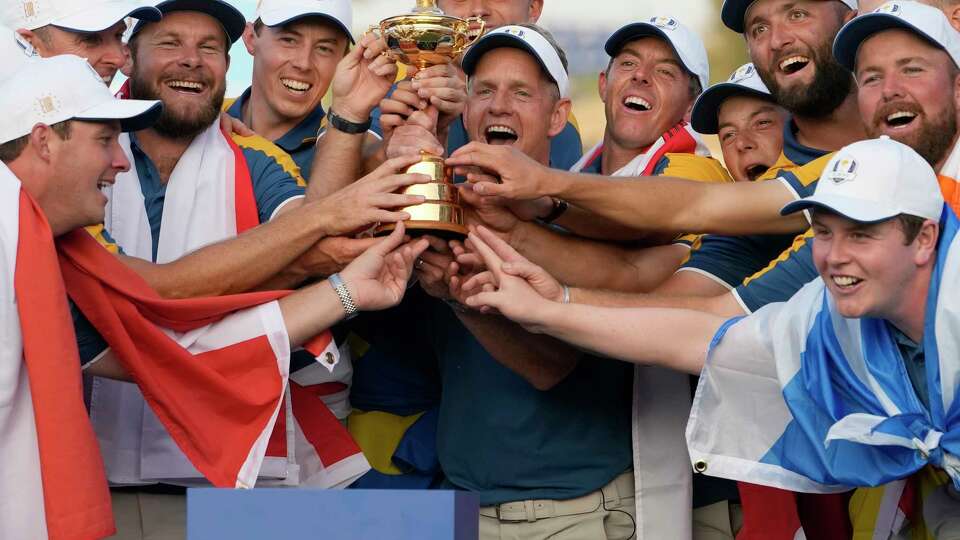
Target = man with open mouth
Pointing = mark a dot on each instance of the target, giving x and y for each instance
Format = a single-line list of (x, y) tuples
[(747, 121), (91, 30), (852, 382)]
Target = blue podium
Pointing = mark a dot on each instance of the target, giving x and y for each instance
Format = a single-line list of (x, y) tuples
[(275, 514)]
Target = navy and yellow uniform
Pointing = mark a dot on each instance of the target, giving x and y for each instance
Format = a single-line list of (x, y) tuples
[(301, 141), (275, 177), (688, 166), (729, 260), (275, 180)]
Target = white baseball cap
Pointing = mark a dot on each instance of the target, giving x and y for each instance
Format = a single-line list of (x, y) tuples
[(733, 12), (685, 42), (74, 15), (65, 87), (875, 180), (280, 12), (15, 52), (526, 39), (926, 22), (745, 81)]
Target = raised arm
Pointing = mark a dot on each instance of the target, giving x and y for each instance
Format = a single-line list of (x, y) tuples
[(654, 203), (243, 263), (362, 79)]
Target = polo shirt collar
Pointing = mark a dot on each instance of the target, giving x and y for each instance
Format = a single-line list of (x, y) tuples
[(793, 150), (305, 133)]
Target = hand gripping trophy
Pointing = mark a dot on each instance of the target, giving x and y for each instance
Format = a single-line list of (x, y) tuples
[(426, 37)]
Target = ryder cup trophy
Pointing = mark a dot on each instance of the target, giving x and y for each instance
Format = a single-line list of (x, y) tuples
[(426, 37)]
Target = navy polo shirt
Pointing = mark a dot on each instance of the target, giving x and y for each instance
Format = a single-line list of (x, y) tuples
[(273, 184), (300, 142), (730, 260), (504, 440)]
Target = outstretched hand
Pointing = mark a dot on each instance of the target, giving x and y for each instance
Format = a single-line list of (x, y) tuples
[(378, 278), (372, 199), (520, 176), (512, 285)]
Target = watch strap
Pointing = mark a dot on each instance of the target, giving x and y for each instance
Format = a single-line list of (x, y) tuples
[(342, 124), (343, 293)]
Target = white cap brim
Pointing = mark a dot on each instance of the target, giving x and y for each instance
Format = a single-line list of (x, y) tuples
[(107, 14), (286, 14), (525, 39), (858, 210), (133, 114)]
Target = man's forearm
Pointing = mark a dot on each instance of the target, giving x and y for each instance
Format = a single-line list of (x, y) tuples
[(541, 360), (309, 311), (673, 338), (723, 305), (675, 205), (577, 261), (337, 162), (238, 264)]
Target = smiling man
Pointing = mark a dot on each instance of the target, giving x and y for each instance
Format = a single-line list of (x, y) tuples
[(296, 47), (91, 30), (846, 384)]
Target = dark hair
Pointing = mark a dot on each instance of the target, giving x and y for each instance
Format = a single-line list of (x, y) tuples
[(911, 226), (694, 87), (11, 150)]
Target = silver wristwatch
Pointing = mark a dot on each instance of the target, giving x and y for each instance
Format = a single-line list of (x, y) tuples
[(343, 293)]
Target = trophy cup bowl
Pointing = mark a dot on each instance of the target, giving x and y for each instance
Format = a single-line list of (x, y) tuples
[(423, 38)]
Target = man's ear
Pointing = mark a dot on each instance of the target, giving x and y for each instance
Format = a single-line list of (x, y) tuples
[(40, 141), (32, 38), (602, 85), (559, 116), (249, 39), (953, 15), (536, 8), (927, 242)]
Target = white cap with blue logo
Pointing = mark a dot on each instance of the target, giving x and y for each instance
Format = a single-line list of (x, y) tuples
[(74, 15), (684, 41), (280, 12), (926, 22), (526, 39), (745, 81), (875, 180)]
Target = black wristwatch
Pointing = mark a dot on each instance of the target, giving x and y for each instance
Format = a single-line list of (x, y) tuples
[(341, 124), (559, 207)]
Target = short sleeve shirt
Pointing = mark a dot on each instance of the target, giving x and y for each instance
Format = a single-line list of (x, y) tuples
[(729, 260), (274, 176)]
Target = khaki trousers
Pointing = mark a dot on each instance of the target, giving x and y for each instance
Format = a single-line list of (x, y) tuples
[(149, 516), (608, 513), (717, 521)]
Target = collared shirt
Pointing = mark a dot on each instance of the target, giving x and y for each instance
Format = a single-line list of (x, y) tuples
[(729, 260), (274, 182), (914, 362), (300, 142)]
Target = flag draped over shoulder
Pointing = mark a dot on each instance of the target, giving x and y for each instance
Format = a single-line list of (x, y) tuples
[(52, 483), (798, 397)]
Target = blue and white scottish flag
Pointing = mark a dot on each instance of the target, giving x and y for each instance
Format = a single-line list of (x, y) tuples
[(797, 397)]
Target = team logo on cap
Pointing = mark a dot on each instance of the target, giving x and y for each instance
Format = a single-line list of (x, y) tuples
[(46, 105), (31, 8), (844, 170), (667, 23), (743, 72), (514, 32), (891, 8)]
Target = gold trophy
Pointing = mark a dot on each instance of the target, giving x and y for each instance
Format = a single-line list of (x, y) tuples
[(426, 37)]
